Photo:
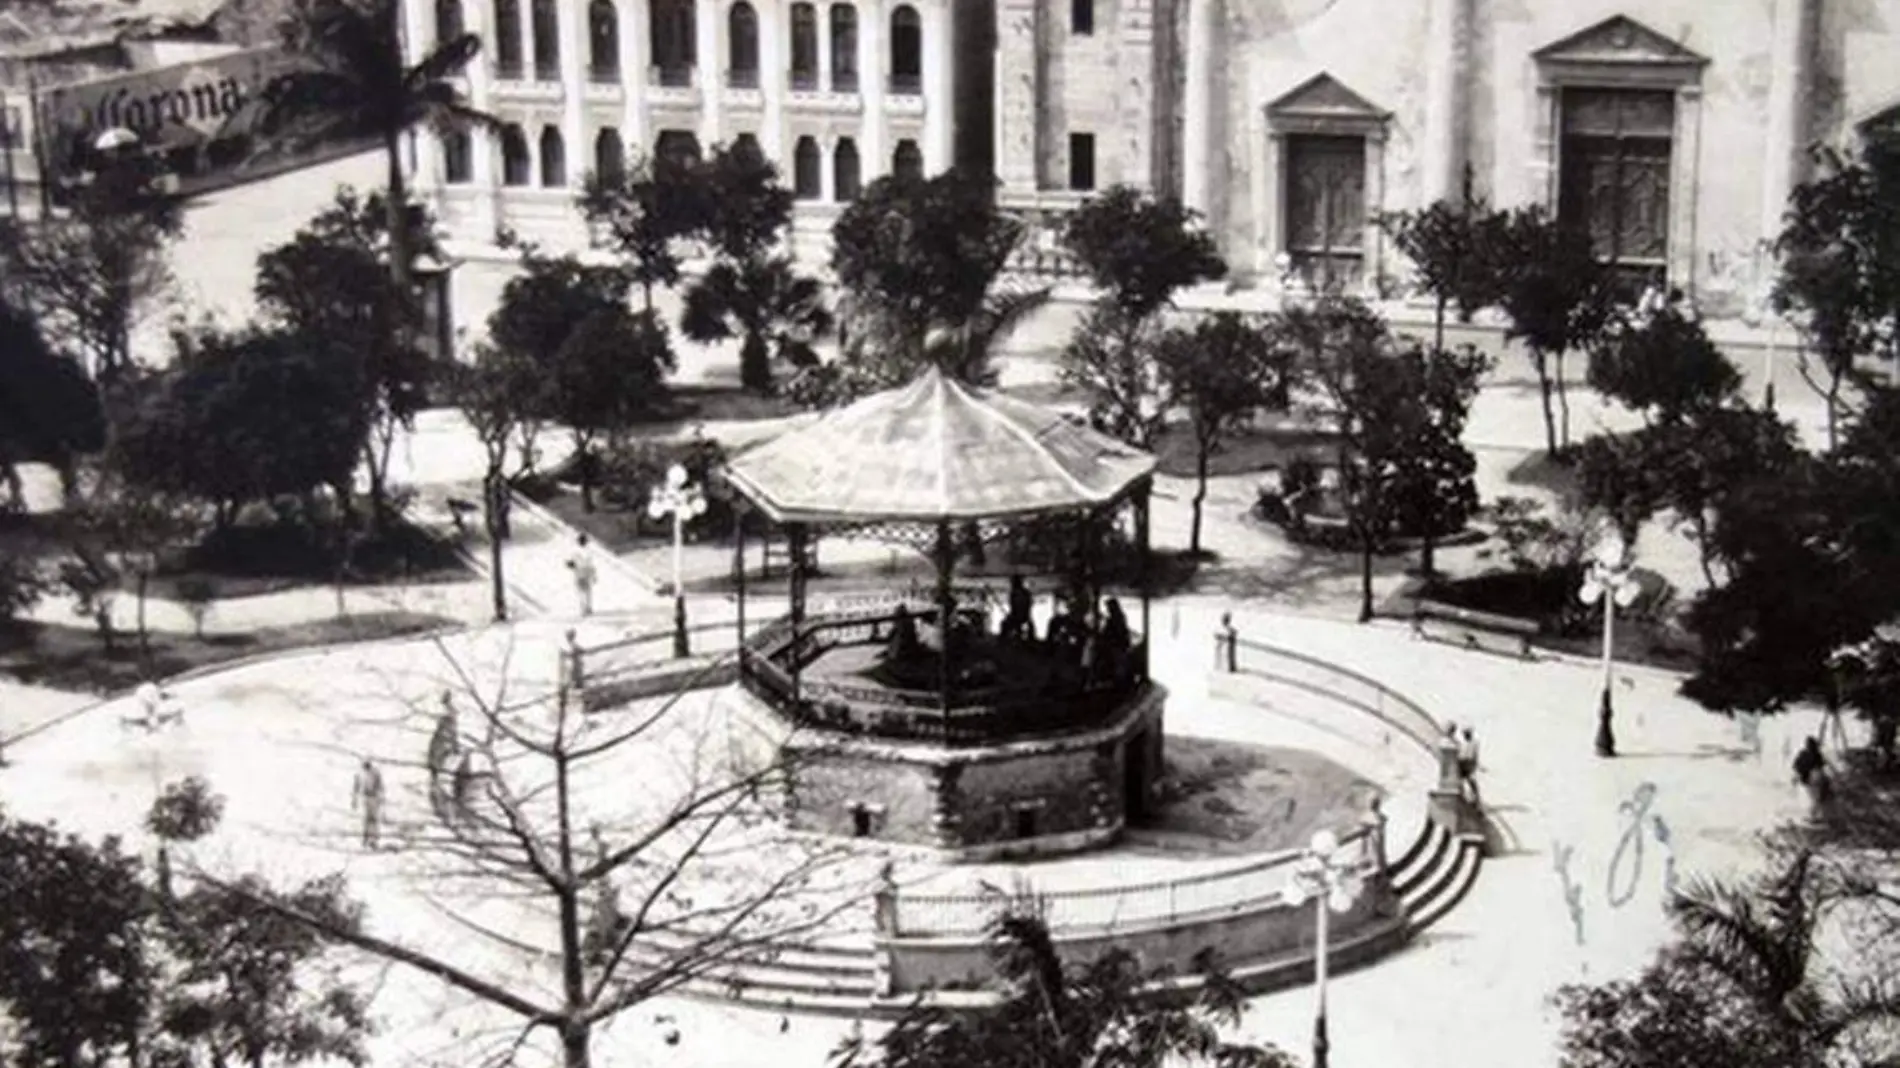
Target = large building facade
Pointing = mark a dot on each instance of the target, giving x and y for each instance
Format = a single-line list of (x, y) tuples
[(1674, 129)]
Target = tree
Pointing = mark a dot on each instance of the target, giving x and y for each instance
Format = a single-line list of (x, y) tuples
[(245, 416), (1218, 372), (76, 972), (1140, 250), (1052, 1015), (1558, 298), (641, 212), (1661, 364), (355, 78), (1435, 487), (920, 261), (89, 274), (1112, 360), (123, 528), (674, 889), (1455, 249), (1840, 263), (1370, 391), (49, 410), (328, 283), (1669, 1016), (493, 392)]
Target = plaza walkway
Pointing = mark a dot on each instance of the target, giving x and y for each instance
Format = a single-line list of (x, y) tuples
[(1486, 969)]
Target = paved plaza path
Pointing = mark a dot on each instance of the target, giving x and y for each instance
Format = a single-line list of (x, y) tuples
[(276, 738)]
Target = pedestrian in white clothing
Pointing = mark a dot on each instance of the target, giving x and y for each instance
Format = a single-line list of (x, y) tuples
[(367, 798), (581, 564)]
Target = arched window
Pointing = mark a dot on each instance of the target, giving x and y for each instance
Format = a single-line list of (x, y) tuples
[(508, 38), (804, 46), (742, 43), (746, 146), (610, 155), (514, 156), (457, 157), (679, 146), (844, 48), (547, 40), (670, 27), (907, 163), (603, 41), (844, 170), (553, 158), (907, 51), (808, 182), (448, 21)]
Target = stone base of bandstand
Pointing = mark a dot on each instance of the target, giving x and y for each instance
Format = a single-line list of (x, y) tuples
[(1034, 797)]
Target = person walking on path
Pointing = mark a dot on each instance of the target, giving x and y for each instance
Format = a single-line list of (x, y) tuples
[(1468, 762), (581, 564), (444, 744), (1810, 770), (367, 798)]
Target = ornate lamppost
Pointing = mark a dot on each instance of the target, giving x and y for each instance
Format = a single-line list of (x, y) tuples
[(1611, 581), (682, 500), (1331, 879)]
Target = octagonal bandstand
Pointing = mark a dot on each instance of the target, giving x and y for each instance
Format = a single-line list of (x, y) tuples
[(948, 719)]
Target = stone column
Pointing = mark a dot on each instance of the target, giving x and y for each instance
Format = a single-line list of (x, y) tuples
[(1447, 57), (939, 87), (579, 148), (1136, 69), (1016, 93), (1786, 133), (821, 14), (483, 146), (1197, 142), (707, 72), (418, 36), (635, 43), (874, 152), (772, 66)]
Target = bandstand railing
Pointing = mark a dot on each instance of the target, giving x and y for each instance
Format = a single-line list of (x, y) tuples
[(772, 664)]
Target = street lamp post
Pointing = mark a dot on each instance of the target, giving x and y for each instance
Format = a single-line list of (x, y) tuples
[(1611, 581), (1328, 877), (682, 500)]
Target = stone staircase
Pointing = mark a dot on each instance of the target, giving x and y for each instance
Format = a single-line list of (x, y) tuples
[(1433, 876)]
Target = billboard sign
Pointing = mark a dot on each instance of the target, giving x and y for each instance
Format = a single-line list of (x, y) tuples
[(207, 120)]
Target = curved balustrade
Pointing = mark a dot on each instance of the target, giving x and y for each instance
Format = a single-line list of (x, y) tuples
[(774, 662)]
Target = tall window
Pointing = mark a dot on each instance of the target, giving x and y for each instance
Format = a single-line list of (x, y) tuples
[(547, 40), (553, 158), (907, 51), (844, 48), (603, 41), (1081, 161), (1326, 207), (804, 46), (746, 146), (448, 21), (508, 38), (677, 146), (674, 49), (742, 43), (1614, 176), (844, 170), (457, 157), (1082, 17), (907, 163), (808, 181), (610, 155), (515, 169)]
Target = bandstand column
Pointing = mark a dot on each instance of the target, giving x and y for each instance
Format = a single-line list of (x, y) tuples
[(1142, 571), (795, 536), (738, 569), (945, 557)]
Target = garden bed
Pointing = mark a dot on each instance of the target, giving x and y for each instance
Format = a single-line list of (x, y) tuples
[(1249, 449), (74, 658), (1565, 625)]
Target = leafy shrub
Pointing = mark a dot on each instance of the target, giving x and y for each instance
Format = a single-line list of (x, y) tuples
[(631, 471), (21, 586)]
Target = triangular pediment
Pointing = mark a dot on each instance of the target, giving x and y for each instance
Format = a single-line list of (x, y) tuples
[(1619, 39), (1324, 97)]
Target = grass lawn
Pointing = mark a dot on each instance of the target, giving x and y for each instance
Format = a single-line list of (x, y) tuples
[(74, 658), (1636, 641), (1247, 450), (618, 530), (724, 403), (251, 559)]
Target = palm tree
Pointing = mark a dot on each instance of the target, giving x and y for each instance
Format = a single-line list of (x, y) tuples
[(357, 80), (1763, 941), (873, 336), (776, 312)]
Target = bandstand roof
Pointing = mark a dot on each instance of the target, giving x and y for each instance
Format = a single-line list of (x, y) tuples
[(933, 450)]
